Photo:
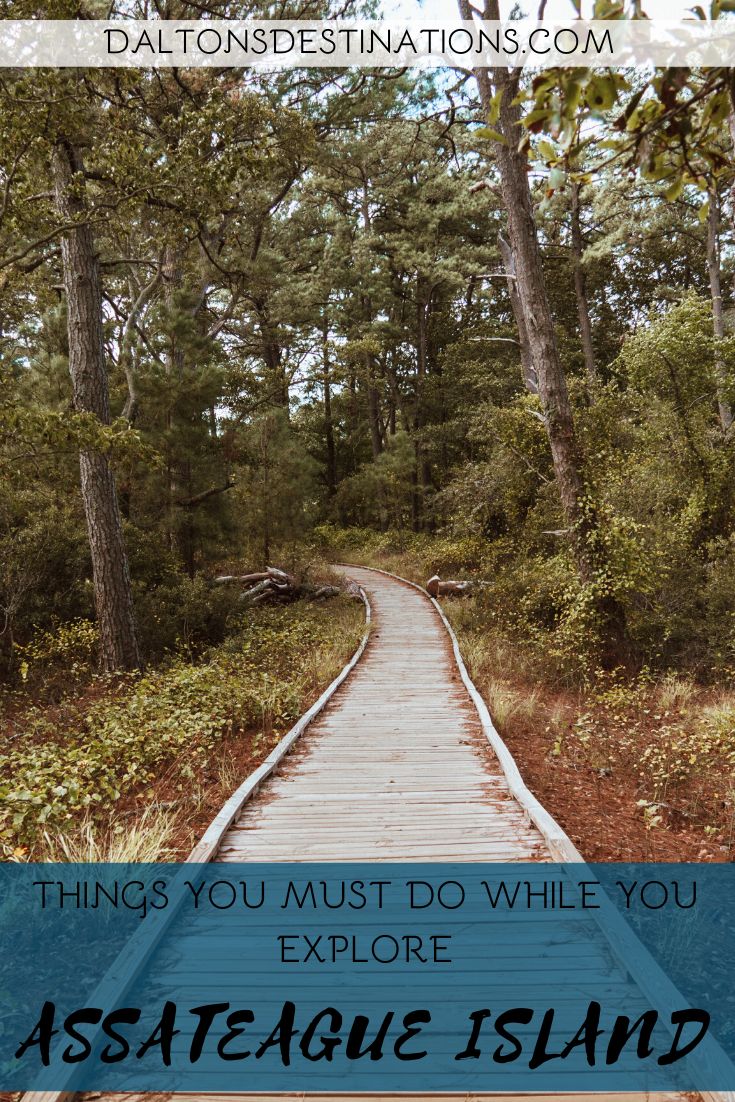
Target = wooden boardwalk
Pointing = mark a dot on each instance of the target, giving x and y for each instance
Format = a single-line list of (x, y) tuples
[(397, 767)]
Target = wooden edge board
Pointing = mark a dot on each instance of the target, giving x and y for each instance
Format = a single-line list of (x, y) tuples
[(210, 841), (136, 951), (560, 844), (617, 932)]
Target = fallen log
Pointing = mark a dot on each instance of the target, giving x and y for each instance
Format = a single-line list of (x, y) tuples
[(437, 588), (255, 593), (276, 586), (242, 578), (325, 591), (352, 589), (280, 576)]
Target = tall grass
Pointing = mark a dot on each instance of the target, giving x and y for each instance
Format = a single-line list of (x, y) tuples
[(118, 841)]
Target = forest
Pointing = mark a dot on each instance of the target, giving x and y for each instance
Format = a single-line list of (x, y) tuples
[(474, 324)]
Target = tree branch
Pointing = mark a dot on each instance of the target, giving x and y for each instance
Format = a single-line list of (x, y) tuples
[(192, 502)]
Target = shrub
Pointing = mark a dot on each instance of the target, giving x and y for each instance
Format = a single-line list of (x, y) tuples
[(62, 657), (181, 615), (68, 765)]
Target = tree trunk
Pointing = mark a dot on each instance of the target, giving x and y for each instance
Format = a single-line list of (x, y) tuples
[(528, 371), (422, 463), (273, 358), (139, 298), (328, 423), (376, 436), (534, 300), (187, 534), (540, 327), (172, 281), (580, 288), (265, 500), (718, 317), (113, 596)]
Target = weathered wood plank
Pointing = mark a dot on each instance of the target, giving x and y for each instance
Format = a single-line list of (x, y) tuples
[(398, 766)]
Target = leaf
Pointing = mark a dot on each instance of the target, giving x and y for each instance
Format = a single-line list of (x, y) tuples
[(494, 113), (546, 150), (717, 109), (622, 120), (490, 134), (674, 190), (601, 92), (557, 178), (703, 214), (535, 119)]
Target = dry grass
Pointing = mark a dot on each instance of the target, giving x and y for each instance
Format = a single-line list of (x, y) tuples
[(489, 658), (506, 703), (118, 841), (229, 775), (675, 693), (720, 712)]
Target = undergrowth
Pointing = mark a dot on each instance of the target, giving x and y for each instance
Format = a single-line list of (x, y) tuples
[(672, 741), (665, 736), (64, 768)]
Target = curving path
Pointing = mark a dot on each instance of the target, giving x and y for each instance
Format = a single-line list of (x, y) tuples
[(397, 767)]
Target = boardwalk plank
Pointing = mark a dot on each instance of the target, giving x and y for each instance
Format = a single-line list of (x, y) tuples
[(396, 768), (401, 733)]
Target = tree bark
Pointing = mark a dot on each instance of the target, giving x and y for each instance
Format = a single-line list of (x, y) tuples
[(580, 289), (112, 589), (172, 280), (528, 371), (331, 450), (540, 327), (423, 466), (139, 297), (376, 435), (273, 358), (265, 498), (534, 300), (718, 317)]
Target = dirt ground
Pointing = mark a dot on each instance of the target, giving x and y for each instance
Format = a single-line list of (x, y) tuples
[(599, 809), (243, 753)]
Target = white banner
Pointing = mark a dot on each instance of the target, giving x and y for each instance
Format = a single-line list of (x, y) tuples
[(270, 44)]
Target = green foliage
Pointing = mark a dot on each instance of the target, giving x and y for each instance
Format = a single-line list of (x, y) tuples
[(78, 762), (276, 490), (420, 553), (72, 431), (672, 358), (669, 129), (181, 615), (68, 652), (381, 492), (43, 567), (662, 481)]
